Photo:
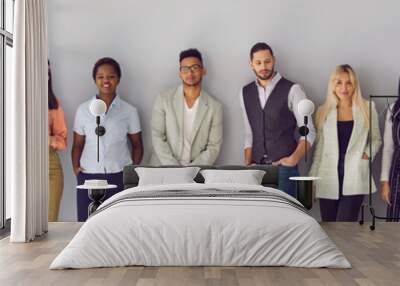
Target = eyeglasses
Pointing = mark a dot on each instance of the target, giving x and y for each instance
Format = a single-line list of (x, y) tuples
[(193, 68)]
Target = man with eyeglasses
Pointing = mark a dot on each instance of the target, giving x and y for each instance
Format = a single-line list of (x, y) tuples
[(186, 125), (271, 118)]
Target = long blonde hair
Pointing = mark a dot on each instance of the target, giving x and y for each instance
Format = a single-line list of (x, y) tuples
[(332, 100)]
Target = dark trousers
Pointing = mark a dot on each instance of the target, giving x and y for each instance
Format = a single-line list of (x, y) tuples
[(82, 198), (346, 208), (286, 185)]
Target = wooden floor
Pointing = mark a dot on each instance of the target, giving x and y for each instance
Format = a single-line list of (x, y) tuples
[(374, 255)]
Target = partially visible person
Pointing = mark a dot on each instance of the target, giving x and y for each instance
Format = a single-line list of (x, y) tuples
[(342, 151), (57, 142), (186, 125), (121, 122), (271, 118), (390, 174)]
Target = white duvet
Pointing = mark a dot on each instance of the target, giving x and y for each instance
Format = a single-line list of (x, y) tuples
[(200, 231)]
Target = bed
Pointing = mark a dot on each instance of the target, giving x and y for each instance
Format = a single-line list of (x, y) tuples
[(198, 224)]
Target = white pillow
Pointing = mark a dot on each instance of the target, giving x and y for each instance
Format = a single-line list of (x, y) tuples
[(249, 177), (163, 176)]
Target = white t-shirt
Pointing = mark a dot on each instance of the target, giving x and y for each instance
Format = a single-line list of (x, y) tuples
[(189, 115)]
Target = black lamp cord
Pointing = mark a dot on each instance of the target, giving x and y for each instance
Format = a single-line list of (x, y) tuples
[(98, 136), (303, 130), (306, 132)]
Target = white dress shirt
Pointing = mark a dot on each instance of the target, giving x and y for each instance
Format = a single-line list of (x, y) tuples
[(388, 146), (189, 115), (120, 120), (296, 94)]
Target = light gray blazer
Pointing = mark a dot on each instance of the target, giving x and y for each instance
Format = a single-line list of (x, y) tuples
[(167, 129), (356, 169)]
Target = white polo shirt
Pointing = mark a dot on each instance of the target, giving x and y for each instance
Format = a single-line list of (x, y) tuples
[(120, 120)]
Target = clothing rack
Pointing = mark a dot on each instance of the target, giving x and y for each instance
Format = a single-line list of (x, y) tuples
[(370, 206)]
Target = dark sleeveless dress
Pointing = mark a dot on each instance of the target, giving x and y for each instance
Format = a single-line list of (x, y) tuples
[(344, 129), (346, 208)]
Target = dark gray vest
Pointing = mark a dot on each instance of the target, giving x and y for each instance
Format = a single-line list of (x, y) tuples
[(273, 127)]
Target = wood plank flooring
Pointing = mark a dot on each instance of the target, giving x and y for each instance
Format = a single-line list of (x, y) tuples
[(374, 255)]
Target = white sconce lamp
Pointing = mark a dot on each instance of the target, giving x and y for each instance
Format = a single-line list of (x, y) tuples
[(97, 108)]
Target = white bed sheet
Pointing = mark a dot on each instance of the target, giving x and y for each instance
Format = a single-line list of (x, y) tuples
[(200, 231)]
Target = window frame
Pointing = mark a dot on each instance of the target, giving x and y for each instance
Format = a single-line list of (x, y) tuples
[(6, 39)]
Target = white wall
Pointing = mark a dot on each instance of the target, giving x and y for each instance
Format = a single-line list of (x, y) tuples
[(309, 39)]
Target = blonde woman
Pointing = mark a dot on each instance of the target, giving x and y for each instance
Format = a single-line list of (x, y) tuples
[(341, 155), (57, 142)]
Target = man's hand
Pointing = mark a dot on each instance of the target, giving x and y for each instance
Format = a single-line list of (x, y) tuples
[(289, 161), (294, 158), (385, 192), (247, 156)]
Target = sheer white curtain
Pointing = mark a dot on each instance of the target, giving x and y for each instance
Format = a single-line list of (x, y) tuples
[(26, 123)]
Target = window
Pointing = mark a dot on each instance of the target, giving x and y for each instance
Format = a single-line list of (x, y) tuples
[(6, 44), (8, 71), (9, 16)]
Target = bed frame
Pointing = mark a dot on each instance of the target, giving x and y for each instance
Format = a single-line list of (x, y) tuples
[(270, 179)]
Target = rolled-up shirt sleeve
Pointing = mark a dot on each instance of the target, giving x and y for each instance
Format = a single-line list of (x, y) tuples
[(58, 132), (296, 94), (134, 122), (248, 134)]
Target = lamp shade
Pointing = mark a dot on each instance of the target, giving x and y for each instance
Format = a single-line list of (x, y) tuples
[(305, 107), (97, 107)]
